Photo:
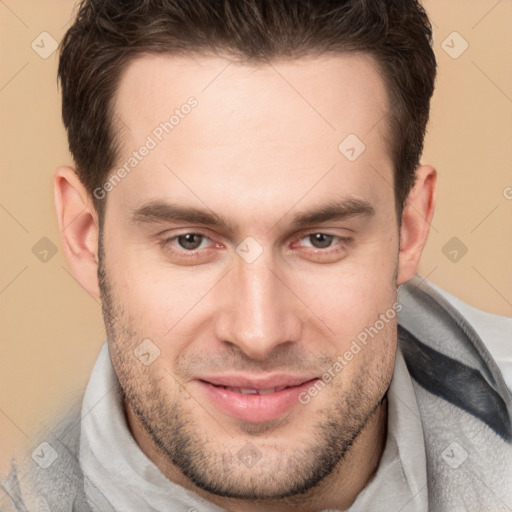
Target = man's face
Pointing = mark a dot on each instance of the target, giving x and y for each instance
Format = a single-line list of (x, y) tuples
[(251, 251)]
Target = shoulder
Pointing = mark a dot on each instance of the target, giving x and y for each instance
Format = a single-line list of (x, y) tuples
[(447, 346), (49, 477), (494, 330), (452, 352)]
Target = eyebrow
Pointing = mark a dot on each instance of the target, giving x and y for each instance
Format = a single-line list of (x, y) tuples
[(333, 210), (161, 211)]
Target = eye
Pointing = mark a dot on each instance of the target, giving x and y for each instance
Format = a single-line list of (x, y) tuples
[(190, 248), (190, 241), (322, 247), (320, 240), (185, 244)]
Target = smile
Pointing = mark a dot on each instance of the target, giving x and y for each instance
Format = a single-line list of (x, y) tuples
[(252, 399), (255, 391)]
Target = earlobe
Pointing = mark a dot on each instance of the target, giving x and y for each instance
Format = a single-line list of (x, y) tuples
[(416, 219), (78, 226)]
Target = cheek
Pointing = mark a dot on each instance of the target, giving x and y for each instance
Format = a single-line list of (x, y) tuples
[(352, 295), (156, 292)]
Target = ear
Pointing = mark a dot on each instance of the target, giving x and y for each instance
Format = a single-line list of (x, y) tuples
[(416, 218), (78, 225)]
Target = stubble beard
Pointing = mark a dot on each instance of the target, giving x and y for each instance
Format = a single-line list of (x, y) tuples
[(212, 464)]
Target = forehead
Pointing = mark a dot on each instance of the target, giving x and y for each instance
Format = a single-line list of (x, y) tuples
[(255, 126), (327, 89)]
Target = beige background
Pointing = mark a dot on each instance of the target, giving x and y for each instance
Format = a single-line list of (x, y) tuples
[(52, 329)]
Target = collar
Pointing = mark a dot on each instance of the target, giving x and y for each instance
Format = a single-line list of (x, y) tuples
[(400, 482)]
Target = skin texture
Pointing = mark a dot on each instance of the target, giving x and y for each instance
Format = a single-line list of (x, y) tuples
[(258, 150)]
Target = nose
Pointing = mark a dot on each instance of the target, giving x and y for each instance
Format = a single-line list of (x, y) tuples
[(259, 312)]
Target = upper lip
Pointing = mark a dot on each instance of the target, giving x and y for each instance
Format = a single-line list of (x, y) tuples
[(257, 382)]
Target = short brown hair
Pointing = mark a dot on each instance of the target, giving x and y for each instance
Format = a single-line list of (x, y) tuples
[(107, 34)]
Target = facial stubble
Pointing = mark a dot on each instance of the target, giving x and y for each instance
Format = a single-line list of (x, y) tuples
[(167, 415)]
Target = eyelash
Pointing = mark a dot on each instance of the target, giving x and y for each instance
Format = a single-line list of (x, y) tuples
[(167, 244), (341, 239)]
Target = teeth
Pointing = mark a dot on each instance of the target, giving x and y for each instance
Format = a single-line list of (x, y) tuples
[(248, 391), (245, 391)]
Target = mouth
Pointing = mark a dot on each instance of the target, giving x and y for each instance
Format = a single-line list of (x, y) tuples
[(245, 391), (252, 399)]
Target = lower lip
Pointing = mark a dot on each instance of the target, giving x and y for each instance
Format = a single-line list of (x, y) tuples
[(255, 408)]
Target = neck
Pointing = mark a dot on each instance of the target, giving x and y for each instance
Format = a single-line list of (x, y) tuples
[(337, 491)]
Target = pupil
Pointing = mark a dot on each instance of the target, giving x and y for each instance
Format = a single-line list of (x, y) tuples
[(190, 241), (320, 240)]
